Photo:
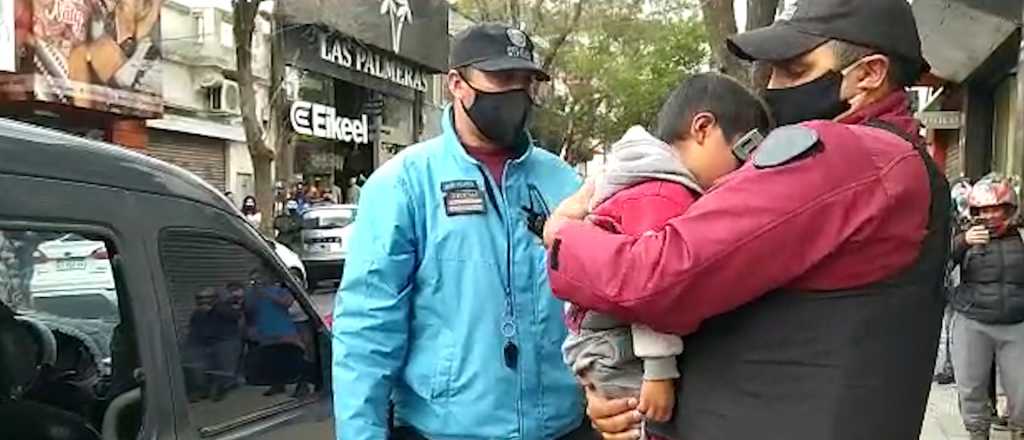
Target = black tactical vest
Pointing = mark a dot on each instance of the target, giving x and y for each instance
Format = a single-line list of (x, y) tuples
[(852, 364)]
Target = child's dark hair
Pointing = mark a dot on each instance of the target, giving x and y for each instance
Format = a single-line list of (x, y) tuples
[(736, 109)]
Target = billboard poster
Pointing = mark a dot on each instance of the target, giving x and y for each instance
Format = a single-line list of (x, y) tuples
[(7, 36), (95, 54)]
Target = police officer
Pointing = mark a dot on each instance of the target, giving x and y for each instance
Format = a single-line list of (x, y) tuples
[(809, 278), (445, 304)]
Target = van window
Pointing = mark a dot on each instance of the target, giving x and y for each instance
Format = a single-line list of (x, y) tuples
[(61, 303), (245, 343)]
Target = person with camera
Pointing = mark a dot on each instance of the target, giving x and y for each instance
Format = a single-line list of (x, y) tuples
[(989, 305)]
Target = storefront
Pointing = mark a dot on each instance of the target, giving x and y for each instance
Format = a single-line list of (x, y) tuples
[(976, 116), (1006, 151), (83, 68), (204, 156), (357, 91)]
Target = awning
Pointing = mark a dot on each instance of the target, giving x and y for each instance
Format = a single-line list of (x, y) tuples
[(199, 127), (959, 35)]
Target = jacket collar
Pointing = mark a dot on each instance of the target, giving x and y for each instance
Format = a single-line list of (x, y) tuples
[(453, 145), (894, 109)]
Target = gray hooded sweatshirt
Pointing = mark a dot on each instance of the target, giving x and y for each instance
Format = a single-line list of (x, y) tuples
[(597, 350), (637, 158)]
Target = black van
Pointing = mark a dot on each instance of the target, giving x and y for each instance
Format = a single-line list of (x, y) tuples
[(136, 302)]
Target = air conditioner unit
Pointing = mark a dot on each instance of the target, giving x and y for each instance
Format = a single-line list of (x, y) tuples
[(209, 79), (225, 98)]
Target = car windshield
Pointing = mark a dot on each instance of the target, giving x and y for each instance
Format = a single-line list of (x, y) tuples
[(329, 218)]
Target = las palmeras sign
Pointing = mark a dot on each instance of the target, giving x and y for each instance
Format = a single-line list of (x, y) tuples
[(414, 30)]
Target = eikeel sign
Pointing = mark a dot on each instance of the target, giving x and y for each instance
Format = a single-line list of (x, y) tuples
[(321, 121)]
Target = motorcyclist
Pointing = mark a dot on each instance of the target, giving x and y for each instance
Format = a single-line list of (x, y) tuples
[(989, 305)]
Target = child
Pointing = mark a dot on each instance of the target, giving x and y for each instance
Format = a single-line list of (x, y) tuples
[(705, 130)]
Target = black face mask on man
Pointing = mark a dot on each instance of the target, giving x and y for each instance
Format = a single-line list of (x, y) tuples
[(501, 116), (818, 99)]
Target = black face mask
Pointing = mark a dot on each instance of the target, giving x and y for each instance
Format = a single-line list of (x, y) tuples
[(500, 116), (818, 99)]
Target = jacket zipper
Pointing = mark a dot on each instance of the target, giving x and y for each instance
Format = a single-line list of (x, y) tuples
[(489, 181), (1003, 310)]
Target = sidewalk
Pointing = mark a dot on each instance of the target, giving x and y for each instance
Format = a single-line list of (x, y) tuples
[(942, 420)]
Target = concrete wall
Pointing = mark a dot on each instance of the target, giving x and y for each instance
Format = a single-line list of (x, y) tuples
[(239, 170), (198, 44)]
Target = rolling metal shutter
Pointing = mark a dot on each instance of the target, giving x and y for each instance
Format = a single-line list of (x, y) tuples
[(206, 157), (954, 164)]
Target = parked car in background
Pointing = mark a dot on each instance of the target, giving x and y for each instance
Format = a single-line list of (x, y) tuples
[(290, 259), (324, 236), (72, 276)]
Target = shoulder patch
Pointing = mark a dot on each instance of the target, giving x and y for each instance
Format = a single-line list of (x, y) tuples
[(783, 145)]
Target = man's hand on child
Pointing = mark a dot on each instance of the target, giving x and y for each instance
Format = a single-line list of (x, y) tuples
[(573, 208), (657, 399)]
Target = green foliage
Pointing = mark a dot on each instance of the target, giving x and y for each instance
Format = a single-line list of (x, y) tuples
[(617, 65)]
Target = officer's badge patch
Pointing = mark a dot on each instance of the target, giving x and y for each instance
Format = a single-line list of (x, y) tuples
[(516, 37), (783, 145), (463, 197)]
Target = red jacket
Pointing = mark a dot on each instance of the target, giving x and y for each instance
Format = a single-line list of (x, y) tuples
[(851, 213), (643, 208)]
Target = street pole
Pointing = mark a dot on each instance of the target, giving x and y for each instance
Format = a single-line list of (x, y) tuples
[(1019, 135)]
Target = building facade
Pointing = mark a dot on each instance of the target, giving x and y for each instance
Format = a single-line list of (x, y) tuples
[(201, 126), (361, 86), (974, 117)]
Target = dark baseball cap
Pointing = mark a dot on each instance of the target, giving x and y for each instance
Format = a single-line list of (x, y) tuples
[(492, 47), (885, 25)]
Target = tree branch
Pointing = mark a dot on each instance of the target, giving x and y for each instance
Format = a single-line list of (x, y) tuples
[(761, 13), (538, 16), (244, 20), (720, 23), (564, 35), (483, 12)]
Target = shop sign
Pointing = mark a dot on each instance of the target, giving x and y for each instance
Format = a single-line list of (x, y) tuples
[(322, 121), (414, 30), (83, 53), (941, 120), (347, 53)]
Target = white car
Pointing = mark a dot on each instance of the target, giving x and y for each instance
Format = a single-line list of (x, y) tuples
[(72, 277), (325, 232), (290, 260)]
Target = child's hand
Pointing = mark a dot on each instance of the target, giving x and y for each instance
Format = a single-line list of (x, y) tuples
[(657, 399)]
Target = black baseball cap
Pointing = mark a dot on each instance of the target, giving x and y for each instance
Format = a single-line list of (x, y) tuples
[(493, 47), (885, 25)]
